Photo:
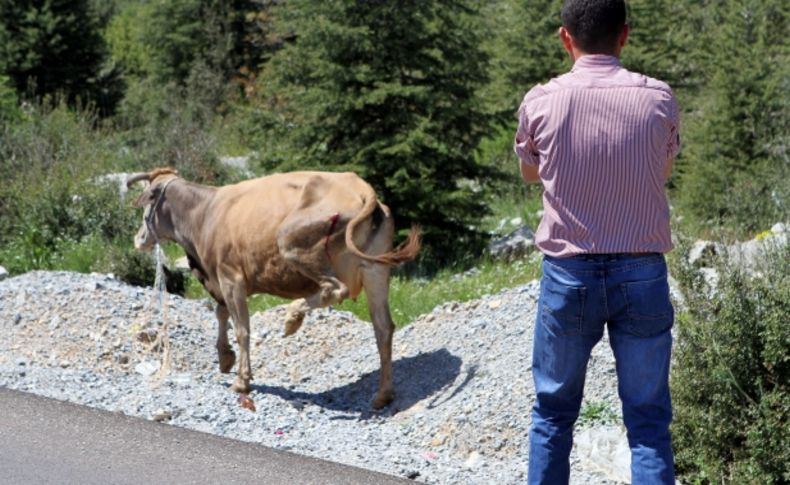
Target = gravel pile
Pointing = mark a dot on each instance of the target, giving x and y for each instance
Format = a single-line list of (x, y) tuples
[(461, 375)]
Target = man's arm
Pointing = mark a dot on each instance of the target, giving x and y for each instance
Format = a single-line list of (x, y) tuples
[(524, 146)]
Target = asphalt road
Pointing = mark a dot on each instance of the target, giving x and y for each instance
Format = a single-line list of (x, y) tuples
[(46, 441)]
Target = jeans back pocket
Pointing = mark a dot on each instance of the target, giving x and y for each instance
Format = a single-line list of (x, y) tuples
[(649, 308), (562, 307)]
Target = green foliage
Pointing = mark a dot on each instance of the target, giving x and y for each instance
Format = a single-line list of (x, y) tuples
[(50, 198), (9, 109), (126, 35), (521, 38), (731, 378), (388, 90), (663, 38), (735, 163), (131, 266), (54, 46), (596, 413), (168, 41), (172, 129)]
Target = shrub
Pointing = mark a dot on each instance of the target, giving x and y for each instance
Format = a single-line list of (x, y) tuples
[(131, 266), (50, 201), (731, 378)]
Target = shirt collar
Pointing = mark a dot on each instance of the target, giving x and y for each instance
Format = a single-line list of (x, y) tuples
[(596, 62)]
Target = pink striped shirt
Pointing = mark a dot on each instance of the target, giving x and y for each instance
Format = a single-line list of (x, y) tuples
[(601, 137)]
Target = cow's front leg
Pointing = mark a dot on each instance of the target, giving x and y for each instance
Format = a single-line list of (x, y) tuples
[(224, 351), (235, 295)]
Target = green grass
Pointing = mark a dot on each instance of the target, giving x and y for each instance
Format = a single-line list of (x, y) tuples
[(597, 413)]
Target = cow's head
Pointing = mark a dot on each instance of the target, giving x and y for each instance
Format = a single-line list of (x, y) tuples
[(157, 223)]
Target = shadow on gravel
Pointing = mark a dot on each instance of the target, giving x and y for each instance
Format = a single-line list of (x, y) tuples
[(415, 378)]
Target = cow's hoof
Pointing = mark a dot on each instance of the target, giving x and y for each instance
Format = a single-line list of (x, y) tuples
[(226, 361), (292, 323), (240, 386), (382, 399)]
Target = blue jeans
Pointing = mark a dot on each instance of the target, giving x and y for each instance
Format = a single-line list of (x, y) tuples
[(578, 296)]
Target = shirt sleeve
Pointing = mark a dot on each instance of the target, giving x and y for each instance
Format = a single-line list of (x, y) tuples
[(524, 144), (673, 143)]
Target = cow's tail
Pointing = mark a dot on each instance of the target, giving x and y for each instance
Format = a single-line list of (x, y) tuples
[(405, 252)]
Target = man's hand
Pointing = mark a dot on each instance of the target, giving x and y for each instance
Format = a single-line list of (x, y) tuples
[(529, 173), (667, 169)]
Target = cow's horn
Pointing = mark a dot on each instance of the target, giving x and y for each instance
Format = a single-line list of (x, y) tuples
[(136, 178)]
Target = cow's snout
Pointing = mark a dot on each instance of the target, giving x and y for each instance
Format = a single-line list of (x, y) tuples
[(143, 240)]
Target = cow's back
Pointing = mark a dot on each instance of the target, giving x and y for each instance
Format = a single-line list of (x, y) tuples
[(241, 226)]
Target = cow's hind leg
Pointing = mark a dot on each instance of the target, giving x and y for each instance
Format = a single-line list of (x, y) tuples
[(375, 279), (332, 291), (224, 351), (304, 242)]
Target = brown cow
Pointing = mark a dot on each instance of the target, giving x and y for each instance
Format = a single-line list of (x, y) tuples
[(295, 235)]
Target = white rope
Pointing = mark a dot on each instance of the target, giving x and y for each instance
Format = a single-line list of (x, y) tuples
[(159, 279)]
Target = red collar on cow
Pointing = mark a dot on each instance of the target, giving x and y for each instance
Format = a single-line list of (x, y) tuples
[(333, 219)]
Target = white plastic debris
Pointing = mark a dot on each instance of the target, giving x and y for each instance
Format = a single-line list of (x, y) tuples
[(604, 449), (147, 368)]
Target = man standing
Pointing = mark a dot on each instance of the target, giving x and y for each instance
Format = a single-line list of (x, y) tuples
[(601, 139)]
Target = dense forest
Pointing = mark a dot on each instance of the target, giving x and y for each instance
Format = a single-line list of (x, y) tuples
[(417, 96)]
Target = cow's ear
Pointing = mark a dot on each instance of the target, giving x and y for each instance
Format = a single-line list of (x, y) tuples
[(147, 197)]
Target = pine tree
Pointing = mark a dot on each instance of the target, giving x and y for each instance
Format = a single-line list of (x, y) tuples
[(734, 169), (54, 46), (166, 40), (525, 50), (387, 89), (663, 38)]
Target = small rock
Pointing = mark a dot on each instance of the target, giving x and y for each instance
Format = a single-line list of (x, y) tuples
[(711, 277), (701, 252), (183, 379), (472, 460), (94, 286), (162, 415), (54, 323), (495, 304), (147, 336), (438, 441), (147, 368), (3, 273), (182, 264), (517, 244)]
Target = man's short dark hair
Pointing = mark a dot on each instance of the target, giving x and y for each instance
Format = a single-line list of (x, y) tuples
[(594, 24)]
